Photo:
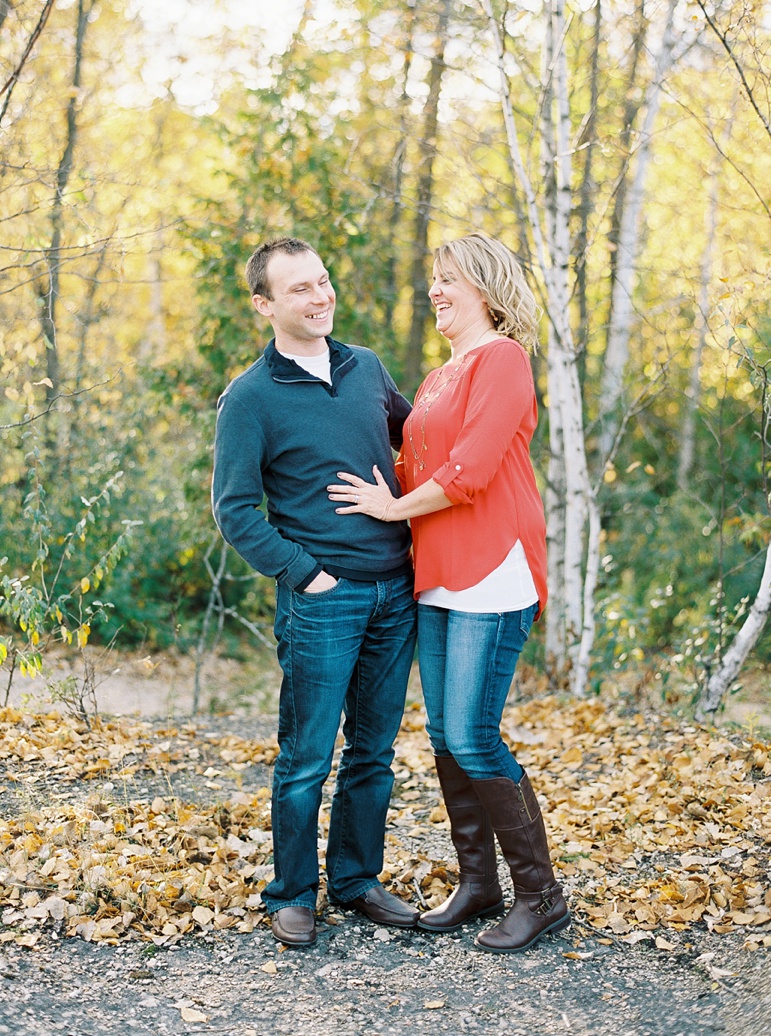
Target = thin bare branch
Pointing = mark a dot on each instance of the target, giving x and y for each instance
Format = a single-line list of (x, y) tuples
[(13, 79), (737, 64), (50, 406)]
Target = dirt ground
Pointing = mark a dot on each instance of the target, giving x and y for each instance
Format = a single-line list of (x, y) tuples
[(162, 685), (360, 979)]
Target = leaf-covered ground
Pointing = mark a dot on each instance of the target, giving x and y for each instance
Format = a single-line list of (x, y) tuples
[(127, 830)]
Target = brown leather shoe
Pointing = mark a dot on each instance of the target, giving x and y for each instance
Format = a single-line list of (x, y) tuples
[(383, 908), (294, 926)]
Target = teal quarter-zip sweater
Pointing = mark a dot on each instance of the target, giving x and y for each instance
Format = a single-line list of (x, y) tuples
[(283, 434)]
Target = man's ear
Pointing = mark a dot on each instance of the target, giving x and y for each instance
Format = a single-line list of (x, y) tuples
[(262, 305)]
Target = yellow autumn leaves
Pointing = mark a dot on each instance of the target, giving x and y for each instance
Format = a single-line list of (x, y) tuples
[(655, 826)]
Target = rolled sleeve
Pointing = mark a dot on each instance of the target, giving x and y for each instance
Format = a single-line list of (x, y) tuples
[(450, 477), (501, 394)]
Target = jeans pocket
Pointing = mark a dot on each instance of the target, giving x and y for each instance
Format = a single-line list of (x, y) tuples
[(526, 620), (317, 595)]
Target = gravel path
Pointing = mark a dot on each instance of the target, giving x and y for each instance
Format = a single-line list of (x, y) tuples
[(360, 979)]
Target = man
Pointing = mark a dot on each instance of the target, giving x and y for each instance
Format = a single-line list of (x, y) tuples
[(309, 408)]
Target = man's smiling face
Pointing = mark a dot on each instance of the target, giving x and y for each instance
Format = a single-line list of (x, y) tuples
[(302, 308)]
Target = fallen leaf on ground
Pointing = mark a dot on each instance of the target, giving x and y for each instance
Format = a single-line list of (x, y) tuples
[(653, 826), (190, 1014)]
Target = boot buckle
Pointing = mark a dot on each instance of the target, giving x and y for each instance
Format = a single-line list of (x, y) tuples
[(547, 902)]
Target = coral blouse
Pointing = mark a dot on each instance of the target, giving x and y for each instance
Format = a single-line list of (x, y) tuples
[(470, 430)]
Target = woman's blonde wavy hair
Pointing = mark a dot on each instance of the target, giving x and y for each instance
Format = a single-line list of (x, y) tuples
[(492, 268)]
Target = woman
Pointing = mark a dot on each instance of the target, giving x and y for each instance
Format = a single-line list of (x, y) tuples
[(480, 577)]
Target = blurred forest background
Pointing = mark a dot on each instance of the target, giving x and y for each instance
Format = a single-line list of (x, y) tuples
[(622, 149)]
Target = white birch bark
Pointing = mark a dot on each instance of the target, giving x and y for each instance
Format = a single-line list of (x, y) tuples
[(556, 495), (744, 641), (578, 609), (621, 309), (554, 499), (583, 658), (578, 495), (556, 300), (568, 469)]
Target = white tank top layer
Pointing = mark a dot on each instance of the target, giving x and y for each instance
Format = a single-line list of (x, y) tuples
[(508, 588)]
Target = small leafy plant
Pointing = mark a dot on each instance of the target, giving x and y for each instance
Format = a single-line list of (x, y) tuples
[(46, 605)]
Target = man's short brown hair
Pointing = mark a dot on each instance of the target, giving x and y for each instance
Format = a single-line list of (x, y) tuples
[(257, 266)]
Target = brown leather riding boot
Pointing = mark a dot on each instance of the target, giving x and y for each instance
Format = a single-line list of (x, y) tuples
[(478, 893), (539, 905)]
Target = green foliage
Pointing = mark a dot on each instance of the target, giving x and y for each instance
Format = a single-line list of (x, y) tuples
[(324, 142), (47, 590), (291, 180), (682, 564), (675, 586)]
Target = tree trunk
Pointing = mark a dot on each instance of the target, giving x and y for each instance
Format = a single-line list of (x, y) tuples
[(632, 104), (554, 500), (586, 194), (391, 290), (583, 656), (720, 681), (421, 306), (556, 128), (569, 476), (48, 285), (621, 310)]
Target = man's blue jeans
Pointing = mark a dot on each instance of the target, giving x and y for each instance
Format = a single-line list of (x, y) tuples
[(467, 663), (348, 649)]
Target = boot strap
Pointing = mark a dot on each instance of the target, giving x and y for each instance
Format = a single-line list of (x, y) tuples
[(547, 902)]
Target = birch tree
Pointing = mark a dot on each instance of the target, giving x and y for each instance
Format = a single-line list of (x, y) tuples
[(621, 308), (391, 290), (724, 676), (569, 499), (587, 140), (421, 305), (574, 530)]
